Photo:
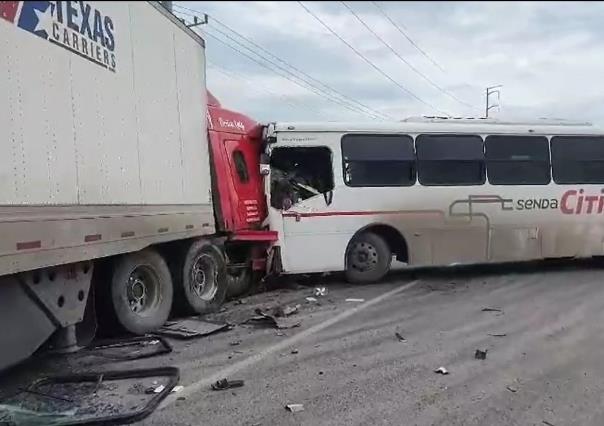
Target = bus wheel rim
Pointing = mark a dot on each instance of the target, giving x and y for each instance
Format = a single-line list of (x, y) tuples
[(363, 256)]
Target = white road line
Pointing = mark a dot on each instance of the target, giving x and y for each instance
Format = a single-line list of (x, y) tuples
[(282, 345)]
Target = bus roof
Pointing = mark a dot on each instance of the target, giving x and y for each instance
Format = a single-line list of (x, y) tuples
[(441, 125)]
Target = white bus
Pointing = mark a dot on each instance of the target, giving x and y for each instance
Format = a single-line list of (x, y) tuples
[(350, 197)]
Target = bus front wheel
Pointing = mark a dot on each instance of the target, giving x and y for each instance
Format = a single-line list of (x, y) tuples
[(368, 258)]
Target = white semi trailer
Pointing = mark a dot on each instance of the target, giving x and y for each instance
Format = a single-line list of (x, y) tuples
[(104, 172)]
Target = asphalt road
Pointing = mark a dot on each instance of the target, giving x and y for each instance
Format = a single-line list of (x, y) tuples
[(545, 367)]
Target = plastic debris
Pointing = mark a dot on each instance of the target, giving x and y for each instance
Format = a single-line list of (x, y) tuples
[(191, 328), (223, 384), (177, 388), (294, 408), (320, 291), (400, 337), (491, 310), (352, 299), (480, 354), (157, 389), (441, 370), (311, 299)]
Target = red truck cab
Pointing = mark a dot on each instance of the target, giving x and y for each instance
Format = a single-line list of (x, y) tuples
[(238, 190)]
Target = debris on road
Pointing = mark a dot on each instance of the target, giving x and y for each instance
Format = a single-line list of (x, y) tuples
[(400, 337), (222, 309), (157, 389), (320, 291), (480, 354), (15, 415), (511, 389), (352, 299), (235, 343), (294, 408), (498, 335), (262, 318), (441, 370), (177, 388), (545, 422), (223, 384), (311, 299), (130, 349), (240, 302), (487, 309), (285, 311), (294, 351), (280, 334), (191, 328)]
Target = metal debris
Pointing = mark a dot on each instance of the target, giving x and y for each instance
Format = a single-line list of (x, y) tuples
[(294, 351), (285, 311), (320, 291), (223, 384), (480, 354), (270, 320), (191, 328), (294, 408), (400, 337), (352, 299), (487, 309), (441, 370)]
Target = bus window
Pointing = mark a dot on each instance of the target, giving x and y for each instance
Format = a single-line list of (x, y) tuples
[(298, 173), (450, 160), (517, 160), (378, 160), (578, 159)]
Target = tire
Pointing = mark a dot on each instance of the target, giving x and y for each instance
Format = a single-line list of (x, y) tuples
[(201, 280), (141, 291), (239, 282), (368, 258)]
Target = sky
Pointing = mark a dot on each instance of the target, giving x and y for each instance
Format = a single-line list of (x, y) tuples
[(548, 57)]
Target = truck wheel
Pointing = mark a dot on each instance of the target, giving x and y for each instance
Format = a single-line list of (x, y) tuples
[(239, 281), (141, 291), (368, 258), (202, 280)]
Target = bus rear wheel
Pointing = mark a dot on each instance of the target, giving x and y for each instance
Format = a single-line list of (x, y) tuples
[(368, 258)]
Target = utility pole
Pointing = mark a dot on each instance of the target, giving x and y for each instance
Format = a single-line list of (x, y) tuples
[(489, 91)]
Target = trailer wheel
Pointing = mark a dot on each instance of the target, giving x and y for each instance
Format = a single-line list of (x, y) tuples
[(368, 258), (141, 291), (202, 279)]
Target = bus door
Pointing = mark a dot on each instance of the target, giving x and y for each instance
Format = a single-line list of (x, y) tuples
[(301, 189)]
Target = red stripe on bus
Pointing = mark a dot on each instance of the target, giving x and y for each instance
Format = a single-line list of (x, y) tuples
[(28, 245), (319, 214)]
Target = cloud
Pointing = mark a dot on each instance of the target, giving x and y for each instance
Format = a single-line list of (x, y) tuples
[(546, 55)]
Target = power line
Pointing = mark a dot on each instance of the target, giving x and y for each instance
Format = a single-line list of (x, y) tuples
[(309, 87), (383, 12), (385, 43), (309, 77), (238, 76), (346, 100), (359, 54)]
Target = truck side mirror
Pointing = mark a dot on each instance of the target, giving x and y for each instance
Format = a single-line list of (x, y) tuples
[(265, 167)]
